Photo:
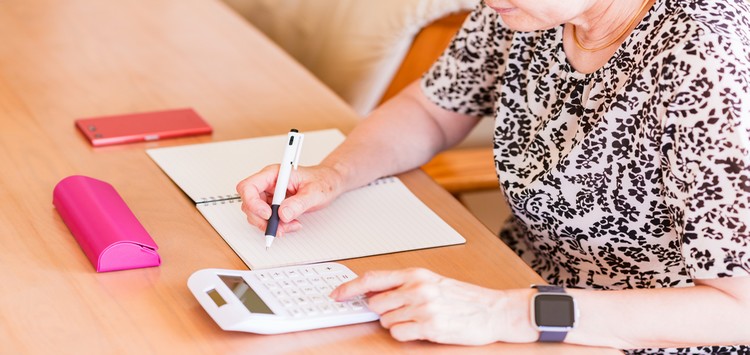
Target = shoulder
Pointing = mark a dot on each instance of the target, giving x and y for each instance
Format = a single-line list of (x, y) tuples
[(722, 18), (718, 29), (707, 41)]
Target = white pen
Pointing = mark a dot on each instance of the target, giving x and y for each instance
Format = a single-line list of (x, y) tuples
[(289, 161)]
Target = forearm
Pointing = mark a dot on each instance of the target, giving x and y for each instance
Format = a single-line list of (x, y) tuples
[(401, 135), (669, 317)]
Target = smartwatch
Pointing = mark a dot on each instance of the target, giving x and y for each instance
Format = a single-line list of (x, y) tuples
[(553, 313)]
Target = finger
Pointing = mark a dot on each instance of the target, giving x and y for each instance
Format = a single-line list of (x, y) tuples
[(395, 316), (406, 331), (255, 194), (291, 227), (371, 281), (260, 222), (283, 228), (413, 293), (254, 219), (258, 207), (389, 301), (262, 181)]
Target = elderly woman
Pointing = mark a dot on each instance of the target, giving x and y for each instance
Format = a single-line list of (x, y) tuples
[(622, 144)]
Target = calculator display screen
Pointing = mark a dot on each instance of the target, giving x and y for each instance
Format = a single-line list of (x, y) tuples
[(245, 293)]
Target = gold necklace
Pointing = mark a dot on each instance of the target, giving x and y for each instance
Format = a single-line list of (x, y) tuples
[(630, 24)]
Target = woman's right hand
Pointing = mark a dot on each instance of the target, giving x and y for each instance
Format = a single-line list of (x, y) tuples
[(309, 188)]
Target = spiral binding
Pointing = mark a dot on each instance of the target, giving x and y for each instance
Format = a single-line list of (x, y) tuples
[(382, 181), (220, 200), (235, 198)]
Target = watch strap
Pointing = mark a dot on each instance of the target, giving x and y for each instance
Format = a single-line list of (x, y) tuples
[(549, 288), (551, 337), (548, 336)]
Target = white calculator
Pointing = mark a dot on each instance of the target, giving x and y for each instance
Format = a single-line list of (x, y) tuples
[(277, 300)]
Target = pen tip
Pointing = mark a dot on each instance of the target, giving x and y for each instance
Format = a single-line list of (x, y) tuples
[(266, 248)]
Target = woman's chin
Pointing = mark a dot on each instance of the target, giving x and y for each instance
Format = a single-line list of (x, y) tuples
[(523, 24)]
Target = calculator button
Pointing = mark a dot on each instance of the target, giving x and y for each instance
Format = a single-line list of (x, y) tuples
[(296, 312), (310, 310), (293, 273), (294, 292), (286, 284), (329, 299), (309, 290), (272, 285), (357, 305), (317, 281), (318, 299), (332, 280), (286, 301), (325, 289), (326, 308), (263, 276), (307, 272), (278, 293), (340, 307), (302, 282), (326, 269), (301, 301), (277, 275)]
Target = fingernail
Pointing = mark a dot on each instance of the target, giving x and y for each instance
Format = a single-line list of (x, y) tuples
[(334, 294)]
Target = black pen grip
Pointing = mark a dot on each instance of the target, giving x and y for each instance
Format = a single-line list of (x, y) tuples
[(273, 221)]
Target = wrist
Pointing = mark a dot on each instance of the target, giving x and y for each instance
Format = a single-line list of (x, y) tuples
[(338, 175), (512, 309), (347, 174)]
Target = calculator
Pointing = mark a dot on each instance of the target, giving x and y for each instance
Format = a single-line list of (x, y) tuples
[(278, 300)]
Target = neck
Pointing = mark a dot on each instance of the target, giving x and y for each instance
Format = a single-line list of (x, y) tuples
[(605, 20)]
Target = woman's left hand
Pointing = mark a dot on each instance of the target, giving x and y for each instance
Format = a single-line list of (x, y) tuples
[(417, 304)]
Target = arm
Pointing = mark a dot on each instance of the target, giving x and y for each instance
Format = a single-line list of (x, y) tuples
[(713, 312), (418, 304), (401, 135)]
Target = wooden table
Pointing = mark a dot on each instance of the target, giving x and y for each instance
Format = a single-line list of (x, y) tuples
[(61, 60)]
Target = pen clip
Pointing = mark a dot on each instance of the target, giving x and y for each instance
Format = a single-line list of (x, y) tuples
[(295, 161)]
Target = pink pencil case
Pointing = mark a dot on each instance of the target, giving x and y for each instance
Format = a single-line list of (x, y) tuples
[(105, 228)]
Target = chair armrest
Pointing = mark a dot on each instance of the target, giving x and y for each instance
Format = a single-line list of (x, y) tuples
[(463, 170)]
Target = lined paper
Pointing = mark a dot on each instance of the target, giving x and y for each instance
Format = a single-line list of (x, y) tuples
[(380, 218)]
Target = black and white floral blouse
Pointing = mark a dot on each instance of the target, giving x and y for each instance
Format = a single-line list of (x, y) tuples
[(634, 176)]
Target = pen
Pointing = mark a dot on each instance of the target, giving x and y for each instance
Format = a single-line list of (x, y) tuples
[(288, 161)]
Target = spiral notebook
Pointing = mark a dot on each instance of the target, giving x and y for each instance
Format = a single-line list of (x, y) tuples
[(382, 217)]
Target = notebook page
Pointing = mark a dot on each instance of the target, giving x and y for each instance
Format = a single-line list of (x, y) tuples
[(384, 217), (211, 171)]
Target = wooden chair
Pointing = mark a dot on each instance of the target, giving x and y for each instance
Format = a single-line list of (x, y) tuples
[(457, 170)]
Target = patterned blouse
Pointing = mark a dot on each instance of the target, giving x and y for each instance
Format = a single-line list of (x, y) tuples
[(634, 176)]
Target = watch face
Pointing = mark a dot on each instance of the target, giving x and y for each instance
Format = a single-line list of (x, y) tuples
[(554, 310)]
